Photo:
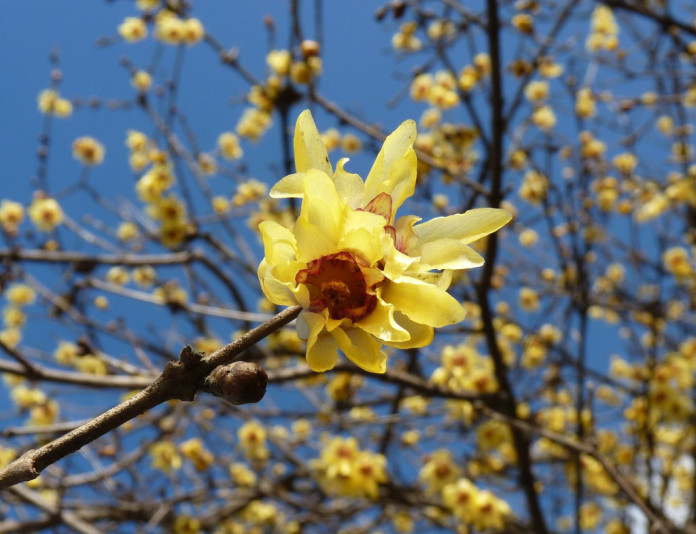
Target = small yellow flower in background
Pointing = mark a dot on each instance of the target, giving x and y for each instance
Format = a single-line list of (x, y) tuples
[(193, 31), (241, 475), (253, 123), (142, 81), (331, 139), (25, 397), (127, 231), (50, 103), (194, 450), (168, 27), (11, 336), (164, 456), (88, 150), (252, 439), (207, 164), (625, 163), (44, 414), (279, 61), (351, 143), (185, 524), (534, 187), (91, 364), (676, 261), (132, 29), (117, 275), (144, 276), (439, 470), (136, 141), (361, 274), (66, 353), (45, 213), (11, 215), (523, 23), (544, 118), (146, 5), (345, 470), (20, 295), (537, 90), (585, 103), (229, 146)]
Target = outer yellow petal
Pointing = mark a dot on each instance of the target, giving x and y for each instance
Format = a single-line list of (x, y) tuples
[(279, 243), (449, 254), (289, 187), (310, 152), (322, 349), (350, 186), (422, 302), (276, 291), (421, 335), (381, 324), (465, 227), (394, 170), (361, 348), (321, 205)]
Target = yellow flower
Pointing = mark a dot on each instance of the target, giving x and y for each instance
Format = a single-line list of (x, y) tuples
[(88, 150), (229, 146), (20, 295), (193, 31), (361, 274), (11, 215), (141, 81), (164, 456), (132, 29), (45, 213), (194, 450)]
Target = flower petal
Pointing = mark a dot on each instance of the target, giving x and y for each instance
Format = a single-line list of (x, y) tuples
[(381, 324), (322, 349), (422, 302), (349, 186), (361, 348), (465, 227), (289, 186), (394, 169), (310, 151), (449, 254), (279, 243), (276, 291), (421, 335), (362, 234)]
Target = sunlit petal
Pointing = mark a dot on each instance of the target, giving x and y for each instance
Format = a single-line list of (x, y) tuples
[(361, 348), (465, 227), (289, 187), (420, 334), (310, 152), (449, 254), (381, 324), (423, 302), (394, 170)]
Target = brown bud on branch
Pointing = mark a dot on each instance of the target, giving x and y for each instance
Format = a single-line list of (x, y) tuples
[(238, 382)]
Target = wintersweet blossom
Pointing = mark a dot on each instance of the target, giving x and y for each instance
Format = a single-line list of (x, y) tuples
[(364, 277)]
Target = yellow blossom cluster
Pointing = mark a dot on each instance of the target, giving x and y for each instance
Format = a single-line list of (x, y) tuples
[(132, 29), (405, 39), (194, 450), (164, 456), (170, 29), (604, 32), (51, 103), (343, 469), (462, 368), (474, 506)]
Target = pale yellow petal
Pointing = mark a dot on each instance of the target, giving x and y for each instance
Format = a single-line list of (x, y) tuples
[(275, 290), (420, 335), (362, 235), (381, 324), (361, 348), (310, 152), (394, 170), (349, 186), (422, 302), (321, 205), (322, 349), (465, 227), (313, 242), (279, 243), (449, 254), (289, 187)]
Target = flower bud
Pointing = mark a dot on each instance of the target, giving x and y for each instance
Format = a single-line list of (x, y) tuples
[(238, 383)]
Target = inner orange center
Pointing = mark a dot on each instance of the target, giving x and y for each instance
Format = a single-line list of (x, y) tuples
[(337, 282)]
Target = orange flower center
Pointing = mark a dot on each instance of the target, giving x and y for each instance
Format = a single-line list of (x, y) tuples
[(338, 283)]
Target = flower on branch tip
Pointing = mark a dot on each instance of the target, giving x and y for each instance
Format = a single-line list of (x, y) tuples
[(364, 277)]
